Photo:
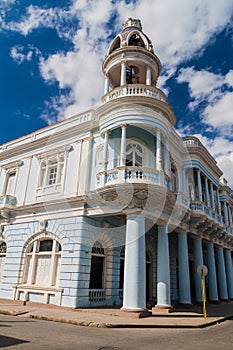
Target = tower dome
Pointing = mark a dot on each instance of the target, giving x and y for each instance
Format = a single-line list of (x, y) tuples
[(131, 35), (130, 58)]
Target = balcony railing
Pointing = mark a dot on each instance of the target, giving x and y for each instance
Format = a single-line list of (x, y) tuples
[(97, 295), (135, 90), (191, 143), (137, 175), (197, 205), (130, 174), (7, 200)]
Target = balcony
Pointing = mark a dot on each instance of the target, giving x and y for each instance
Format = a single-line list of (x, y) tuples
[(7, 200), (130, 175), (6, 203), (135, 90), (201, 207)]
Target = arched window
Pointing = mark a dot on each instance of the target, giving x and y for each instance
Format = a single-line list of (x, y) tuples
[(42, 265), (134, 153), (97, 266), (115, 45), (132, 75), (2, 258), (136, 40)]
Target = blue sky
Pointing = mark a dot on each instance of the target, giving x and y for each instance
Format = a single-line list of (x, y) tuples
[(52, 51)]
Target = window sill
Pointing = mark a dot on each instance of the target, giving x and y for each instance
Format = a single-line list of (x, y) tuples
[(45, 295), (48, 190)]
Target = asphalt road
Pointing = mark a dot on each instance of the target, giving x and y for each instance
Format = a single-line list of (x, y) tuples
[(21, 333)]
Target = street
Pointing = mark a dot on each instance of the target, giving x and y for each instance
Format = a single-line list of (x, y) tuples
[(22, 333)]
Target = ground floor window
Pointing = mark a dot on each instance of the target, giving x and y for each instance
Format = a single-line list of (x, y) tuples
[(42, 263), (97, 266), (2, 258)]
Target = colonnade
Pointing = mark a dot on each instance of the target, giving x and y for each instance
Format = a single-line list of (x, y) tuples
[(162, 163), (210, 195), (220, 271), (147, 78)]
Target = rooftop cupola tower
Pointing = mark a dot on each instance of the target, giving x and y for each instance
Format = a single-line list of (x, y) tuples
[(130, 58), (131, 69)]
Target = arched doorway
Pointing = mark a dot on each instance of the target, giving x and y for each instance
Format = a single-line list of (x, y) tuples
[(97, 273), (2, 258)]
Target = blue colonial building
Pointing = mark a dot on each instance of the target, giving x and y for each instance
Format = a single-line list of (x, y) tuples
[(112, 206)]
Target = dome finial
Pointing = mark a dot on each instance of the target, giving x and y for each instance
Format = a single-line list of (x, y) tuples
[(131, 22)]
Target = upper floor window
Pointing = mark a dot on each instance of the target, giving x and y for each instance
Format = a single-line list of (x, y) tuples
[(134, 153), (51, 172), (11, 172), (52, 168), (10, 183)]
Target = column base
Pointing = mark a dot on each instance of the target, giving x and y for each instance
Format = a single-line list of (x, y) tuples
[(214, 301), (225, 300), (134, 313), (184, 305), (162, 309)]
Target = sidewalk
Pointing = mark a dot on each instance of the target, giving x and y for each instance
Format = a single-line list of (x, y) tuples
[(110, 318)]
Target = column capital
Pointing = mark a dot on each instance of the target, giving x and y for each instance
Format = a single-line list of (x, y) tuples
[(163, 227), (107, 132), (124, 125)]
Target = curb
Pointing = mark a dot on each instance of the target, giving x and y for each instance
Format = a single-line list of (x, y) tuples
[(112, 325)]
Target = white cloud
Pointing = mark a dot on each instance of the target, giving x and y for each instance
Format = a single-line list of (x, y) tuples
[(201, 83), (219, 114), (213, 89), (179, 29), (79, 70), (18, 55)]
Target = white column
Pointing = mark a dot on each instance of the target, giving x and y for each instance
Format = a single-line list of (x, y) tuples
[(198, 260), (158, 151), (229, 273), (167, 160), (199, 185), (218, 203), (123, 73), (229, 215), (106, 134), (212, 277), (123, 144), (222, 281), (207, 193), (106, 85), (212, 195), (163, 269), (184, 279), (148, 76), (134, 298), (225, 213)]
